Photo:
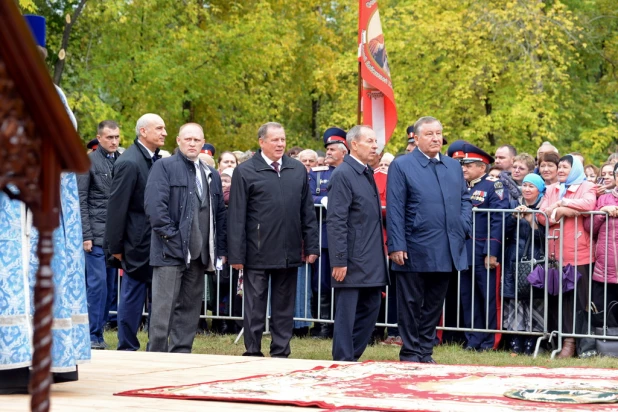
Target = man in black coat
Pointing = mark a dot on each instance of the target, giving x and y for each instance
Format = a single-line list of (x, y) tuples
[(128, 229), (94, 187), (184, 204), (356, 246), (428, 217), (271, 219)]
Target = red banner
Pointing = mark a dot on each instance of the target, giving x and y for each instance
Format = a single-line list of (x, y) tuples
[(378, 100)]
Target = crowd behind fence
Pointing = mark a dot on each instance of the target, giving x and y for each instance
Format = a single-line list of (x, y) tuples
[(589, 319)]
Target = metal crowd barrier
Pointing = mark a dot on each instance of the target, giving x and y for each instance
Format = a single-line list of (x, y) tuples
[(213, 291)]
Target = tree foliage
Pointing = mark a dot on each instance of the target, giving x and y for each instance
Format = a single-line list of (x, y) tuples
[(494, 71)]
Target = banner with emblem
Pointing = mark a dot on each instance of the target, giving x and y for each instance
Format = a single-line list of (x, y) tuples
[(377, 97)]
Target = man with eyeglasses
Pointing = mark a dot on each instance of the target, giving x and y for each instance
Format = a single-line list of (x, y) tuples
[(94, 188)]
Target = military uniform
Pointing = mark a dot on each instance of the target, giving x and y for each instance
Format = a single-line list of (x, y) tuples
[(480, 294), (319, 178)]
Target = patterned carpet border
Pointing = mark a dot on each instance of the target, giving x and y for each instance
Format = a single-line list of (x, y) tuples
[(401, 386)]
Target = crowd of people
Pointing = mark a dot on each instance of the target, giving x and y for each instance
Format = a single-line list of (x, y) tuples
[(303, 229), (313, 240)]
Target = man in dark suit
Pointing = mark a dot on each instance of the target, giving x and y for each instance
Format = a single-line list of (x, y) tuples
[(355, 246), (271, 219), (428, 216), (184, 203), (128, 230)]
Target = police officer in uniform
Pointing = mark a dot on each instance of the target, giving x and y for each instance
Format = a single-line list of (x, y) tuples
[(480, 283), (336, 148)]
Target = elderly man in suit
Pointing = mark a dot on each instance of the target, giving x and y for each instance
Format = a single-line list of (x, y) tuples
[(428, 216), (128, 229), (271, 222), (355, 245)]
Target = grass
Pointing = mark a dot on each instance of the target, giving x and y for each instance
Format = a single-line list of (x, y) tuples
[(308, 348)]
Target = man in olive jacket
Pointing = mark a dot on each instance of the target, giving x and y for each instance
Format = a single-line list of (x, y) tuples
[(356, 246), (271, 219)]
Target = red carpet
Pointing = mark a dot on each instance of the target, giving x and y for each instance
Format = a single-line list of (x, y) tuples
[(399, 386)]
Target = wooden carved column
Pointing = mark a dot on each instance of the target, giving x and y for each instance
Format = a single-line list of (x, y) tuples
[(34, 179)]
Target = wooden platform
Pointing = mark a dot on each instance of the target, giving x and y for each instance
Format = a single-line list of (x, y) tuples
[(115, 371)]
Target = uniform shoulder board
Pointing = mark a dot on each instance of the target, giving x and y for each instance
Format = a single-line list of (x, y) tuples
[(499, 189), (491, 178), (319, 169)]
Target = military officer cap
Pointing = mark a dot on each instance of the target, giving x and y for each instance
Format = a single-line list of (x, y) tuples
[(93, 144), (208, 149), (335, 135), (468, 153), (410, 132)]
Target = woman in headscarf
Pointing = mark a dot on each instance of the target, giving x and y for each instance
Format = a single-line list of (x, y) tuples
[(525, 240), (567, 199)]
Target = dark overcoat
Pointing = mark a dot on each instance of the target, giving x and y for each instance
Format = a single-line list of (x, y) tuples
[(169, 204), (354, 225), (427, 217), (271, 217), (128, 230)]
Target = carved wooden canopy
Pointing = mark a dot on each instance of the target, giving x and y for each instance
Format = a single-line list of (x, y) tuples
[(32, 117)]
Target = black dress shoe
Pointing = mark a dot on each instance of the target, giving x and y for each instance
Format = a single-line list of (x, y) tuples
[(428, 360), (515, 344), (471, 349), (529, 346), (301, 332)]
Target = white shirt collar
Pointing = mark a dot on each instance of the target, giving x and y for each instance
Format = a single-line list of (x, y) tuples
[(364, 164), (151, 153), (268, 161)]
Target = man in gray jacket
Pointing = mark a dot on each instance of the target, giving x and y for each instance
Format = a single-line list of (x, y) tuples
[(94, 188)]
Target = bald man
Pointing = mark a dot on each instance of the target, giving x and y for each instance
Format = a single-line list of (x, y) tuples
[(127, 230)]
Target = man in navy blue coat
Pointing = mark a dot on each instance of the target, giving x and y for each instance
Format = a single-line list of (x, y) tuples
[(428, 216), (481, 282), (355, 245)]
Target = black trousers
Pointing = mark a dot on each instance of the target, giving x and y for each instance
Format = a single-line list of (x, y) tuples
[(419, 305), (283, 294), (355, 317)]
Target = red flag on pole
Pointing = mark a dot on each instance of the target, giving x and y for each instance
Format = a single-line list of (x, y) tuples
[(377, 98)]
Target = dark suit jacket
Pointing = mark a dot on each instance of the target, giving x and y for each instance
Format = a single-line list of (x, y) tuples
[(128, 228), (428, 217), (354, 228)]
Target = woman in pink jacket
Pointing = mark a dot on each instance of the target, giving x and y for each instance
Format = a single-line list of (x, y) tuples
[(566, 199), (606, 230)]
